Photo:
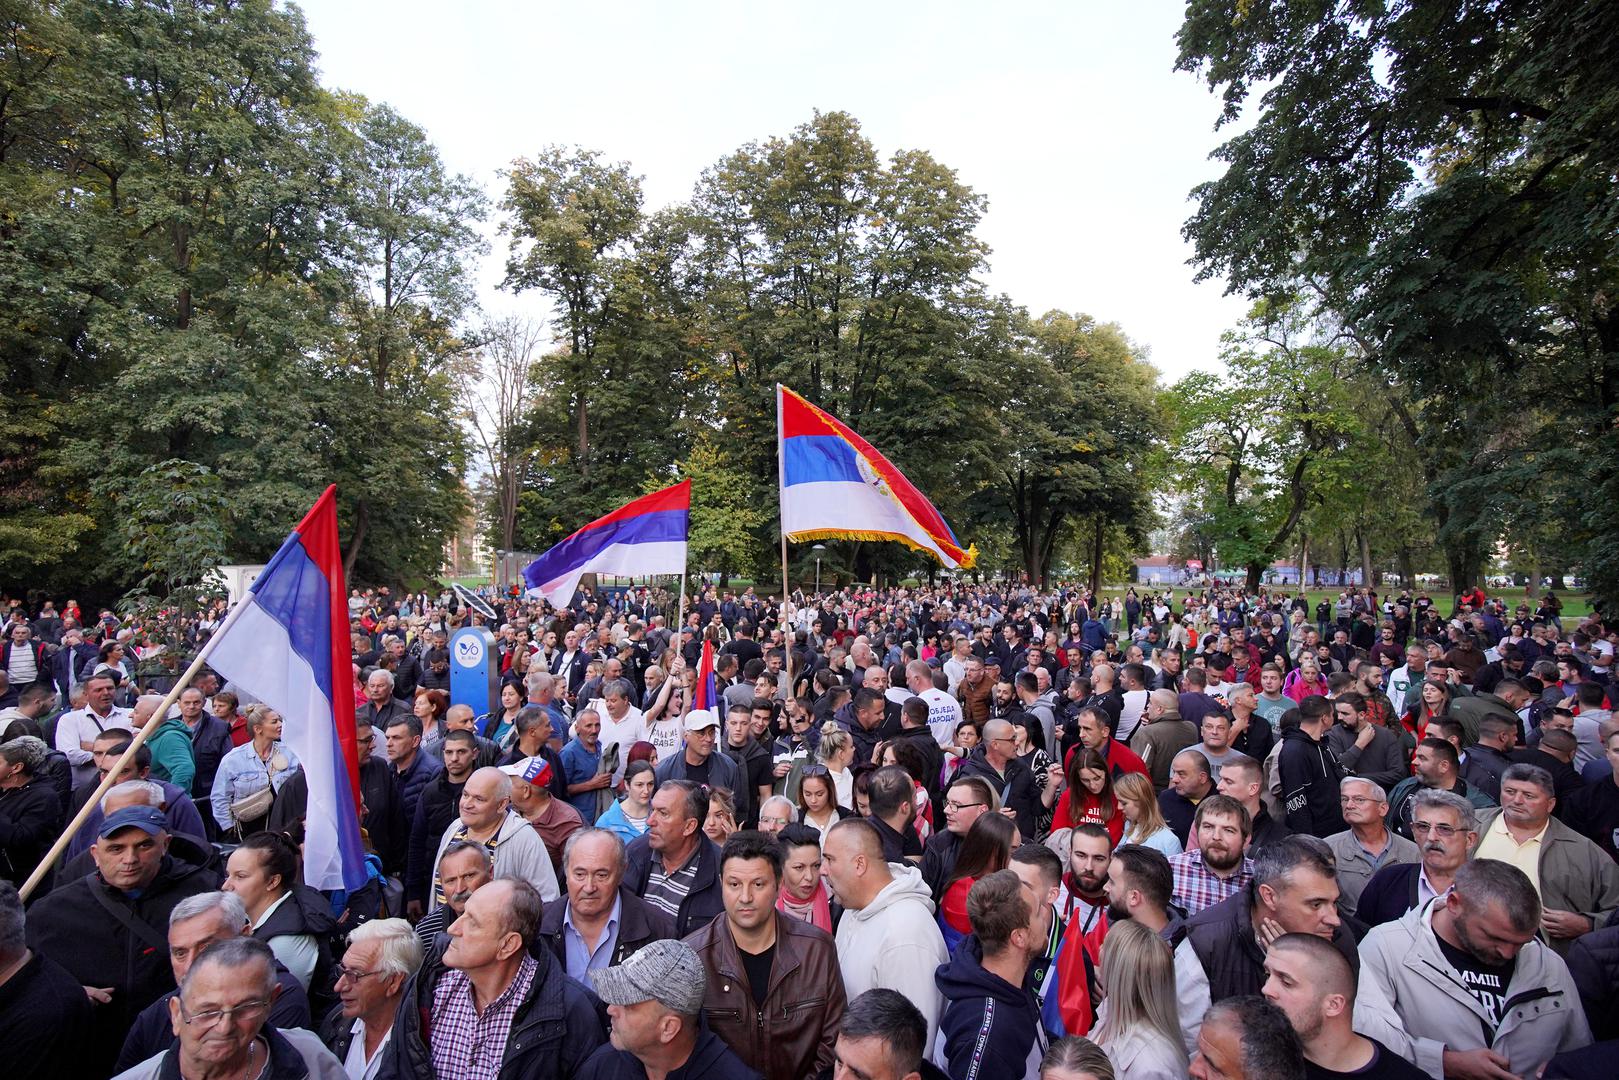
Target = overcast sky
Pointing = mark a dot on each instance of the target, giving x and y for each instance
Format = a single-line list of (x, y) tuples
[(1067, 116)]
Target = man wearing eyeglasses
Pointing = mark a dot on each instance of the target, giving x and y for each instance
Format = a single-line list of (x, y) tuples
[(1442, 823), (196, 923), (221, 1014), (382, 955), (1368, 844)]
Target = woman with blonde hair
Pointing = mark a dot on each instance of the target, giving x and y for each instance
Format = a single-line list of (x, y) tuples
[(1140, 1027), (836, 752), (1144, 822), (250, 775)]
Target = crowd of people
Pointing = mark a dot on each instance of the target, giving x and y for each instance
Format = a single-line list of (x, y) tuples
[(968, 831)]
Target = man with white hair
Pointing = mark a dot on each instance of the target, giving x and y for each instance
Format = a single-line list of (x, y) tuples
[(382, 955), (776, 813), (381, 707), (196, 923), (170, 742), (235, 977), (1368, 844)]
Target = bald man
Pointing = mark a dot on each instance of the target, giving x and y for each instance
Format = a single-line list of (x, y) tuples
[(887, 937), (995, 761), (1311, 981)]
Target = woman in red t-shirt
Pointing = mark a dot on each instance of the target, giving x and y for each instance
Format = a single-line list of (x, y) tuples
[(1088, 774), (986, 848)]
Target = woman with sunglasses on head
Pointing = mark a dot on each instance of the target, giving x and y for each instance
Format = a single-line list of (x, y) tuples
[(817, 799), (987, 848)]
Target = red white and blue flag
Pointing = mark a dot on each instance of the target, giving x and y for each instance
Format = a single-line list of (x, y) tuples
[(836, 485), (706, 694), (287, 644), (647, 536)]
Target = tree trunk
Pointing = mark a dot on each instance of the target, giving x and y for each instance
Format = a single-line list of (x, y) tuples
[(1365, 558), (1408, 573), (362, 523), (1532, 590), (1254, 570), (1096, 555), (1304, 558)]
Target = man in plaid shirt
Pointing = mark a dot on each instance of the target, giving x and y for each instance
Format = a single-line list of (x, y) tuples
[(1216, 869), (489, 1001)]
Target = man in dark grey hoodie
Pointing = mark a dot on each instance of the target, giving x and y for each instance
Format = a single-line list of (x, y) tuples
[(991, 1027)]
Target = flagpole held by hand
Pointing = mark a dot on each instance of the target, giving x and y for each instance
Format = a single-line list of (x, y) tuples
[(113, 772)]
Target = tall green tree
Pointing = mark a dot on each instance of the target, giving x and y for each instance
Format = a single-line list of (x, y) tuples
[(201, 249), (573, 220), (1258, 443), (1080, 413), (1445, 177)]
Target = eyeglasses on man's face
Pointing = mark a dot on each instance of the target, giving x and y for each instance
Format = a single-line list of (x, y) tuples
[(1423, 828), (246, 1011)]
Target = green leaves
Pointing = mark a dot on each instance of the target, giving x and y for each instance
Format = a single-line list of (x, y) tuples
[(1441, 179)]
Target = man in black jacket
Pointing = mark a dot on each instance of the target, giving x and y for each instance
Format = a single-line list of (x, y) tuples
[(44, 1013), (673, 866), (575, 926), (1294, 891), (384, 819), (556, 1024), (996, 762), (110, 928), (1309, 771), (210, 741)]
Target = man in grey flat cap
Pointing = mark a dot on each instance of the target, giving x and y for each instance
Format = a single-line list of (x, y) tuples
[(653, 1001)]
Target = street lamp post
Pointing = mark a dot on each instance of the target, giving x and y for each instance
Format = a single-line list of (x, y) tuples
[(818, 548)]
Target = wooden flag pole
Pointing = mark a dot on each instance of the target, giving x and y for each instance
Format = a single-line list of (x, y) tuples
[(90, 804)]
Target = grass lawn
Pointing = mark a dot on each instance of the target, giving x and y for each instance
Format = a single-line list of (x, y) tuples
[(1575, 605)]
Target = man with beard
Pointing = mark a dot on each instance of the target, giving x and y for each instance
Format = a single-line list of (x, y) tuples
[(1139, 885), (1314, 985), (1083, 897), (1216, 869), (1471, 989), (1294, 891)]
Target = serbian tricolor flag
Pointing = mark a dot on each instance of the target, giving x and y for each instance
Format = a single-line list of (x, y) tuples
[(287, 644), (706, 694), (835, 485), (647, 536)]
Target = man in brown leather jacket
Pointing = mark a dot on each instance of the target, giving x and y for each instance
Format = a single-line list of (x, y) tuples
[(775, 991)]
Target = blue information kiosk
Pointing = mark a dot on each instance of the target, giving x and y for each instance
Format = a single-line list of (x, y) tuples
[(474, 669)]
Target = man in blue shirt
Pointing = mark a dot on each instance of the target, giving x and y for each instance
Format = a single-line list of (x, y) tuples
[(581, 765), (598, 922)]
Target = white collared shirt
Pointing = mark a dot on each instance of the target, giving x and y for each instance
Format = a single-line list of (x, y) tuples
[(356, 1064)]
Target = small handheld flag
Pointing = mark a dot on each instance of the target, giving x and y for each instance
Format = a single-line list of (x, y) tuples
[(706, 694)]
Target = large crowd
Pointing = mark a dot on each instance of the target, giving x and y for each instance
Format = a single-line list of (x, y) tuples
[(966, 831)]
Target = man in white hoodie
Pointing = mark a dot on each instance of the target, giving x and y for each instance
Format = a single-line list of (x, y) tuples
[(888, 937)]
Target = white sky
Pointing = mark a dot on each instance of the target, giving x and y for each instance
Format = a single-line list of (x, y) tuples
[(1066, 115)]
